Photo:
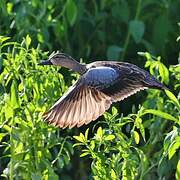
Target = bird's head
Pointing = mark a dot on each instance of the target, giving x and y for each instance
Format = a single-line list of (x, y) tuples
[(58, 59)]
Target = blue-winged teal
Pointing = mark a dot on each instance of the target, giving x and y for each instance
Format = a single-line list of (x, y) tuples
[(101, 83)]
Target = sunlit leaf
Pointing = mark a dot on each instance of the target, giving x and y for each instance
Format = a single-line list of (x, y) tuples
[(28, 41), (164, 73), (160, 114), (14, 95), (114, 110), (78, 138), (84, 154), (86, 133), (99, 133), (113, 175), (9, 112), (2, 135), (92, 145), (136, 137), (9, 7), (178, 170), (173, 148), (172, 97), (109, 137), (3, 39)]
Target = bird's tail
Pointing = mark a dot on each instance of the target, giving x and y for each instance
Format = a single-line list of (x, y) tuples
[(152, 82)]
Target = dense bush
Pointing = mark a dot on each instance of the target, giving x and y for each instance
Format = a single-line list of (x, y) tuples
[(130, 141), (142, 145), (95, 29)]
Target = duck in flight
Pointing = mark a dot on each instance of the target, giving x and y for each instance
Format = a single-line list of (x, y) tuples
[(101, 83)]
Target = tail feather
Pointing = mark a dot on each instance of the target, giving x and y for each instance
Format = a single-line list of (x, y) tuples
[(152, 82)]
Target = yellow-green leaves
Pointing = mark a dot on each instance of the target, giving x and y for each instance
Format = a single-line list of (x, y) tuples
[(27, 41), (160, 114), (173, 98), (14, 103), (99, 134), (9, 7), (90, 145), (172, 143), (136, 137), (109, 137), (155, 64), (178, 170), (164, 72), (80, 138), (139, 125), (102, 136)]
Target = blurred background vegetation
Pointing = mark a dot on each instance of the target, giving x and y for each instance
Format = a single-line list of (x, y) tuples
[(128, 142)]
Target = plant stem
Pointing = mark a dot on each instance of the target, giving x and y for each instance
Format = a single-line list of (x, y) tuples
[(12, 155), (138, 9)]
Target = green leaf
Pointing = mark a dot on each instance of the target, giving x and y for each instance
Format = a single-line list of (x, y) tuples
[(71, 12), (35, 176), (160, 31), (14, 95), (178, 170), (136, 29), (92, 145), (9, 112), (86, 133), (114, 111), (113, 52), (173, 148), (136, 137), (28, 41), (3, 39), (7, 128), (99, 134), (172, 97), (113, 175), (141, 128), (121, 11), (9, 7), (79, 138), (164, 73), (109, 137), (2, 135), (160, 114), (84, 154), (77, 144), (139, 125), (170, 137)]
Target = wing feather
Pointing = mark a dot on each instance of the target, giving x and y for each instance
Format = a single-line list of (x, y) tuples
[(82, 105), (94, 92)]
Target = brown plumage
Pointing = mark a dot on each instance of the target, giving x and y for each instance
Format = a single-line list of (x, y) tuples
[(101, 83)]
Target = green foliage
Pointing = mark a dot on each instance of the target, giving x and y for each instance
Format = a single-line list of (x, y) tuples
[(132, 154), (32, 146), (92, 27), (142, 143)]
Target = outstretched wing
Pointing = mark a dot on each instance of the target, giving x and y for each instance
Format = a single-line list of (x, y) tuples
[(131, 79), (95, 91), (80, 105)]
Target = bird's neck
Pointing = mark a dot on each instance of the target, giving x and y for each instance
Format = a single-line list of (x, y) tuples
[(74, 65)]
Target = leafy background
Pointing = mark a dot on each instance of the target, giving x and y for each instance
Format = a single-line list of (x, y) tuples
[(138, 138)]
